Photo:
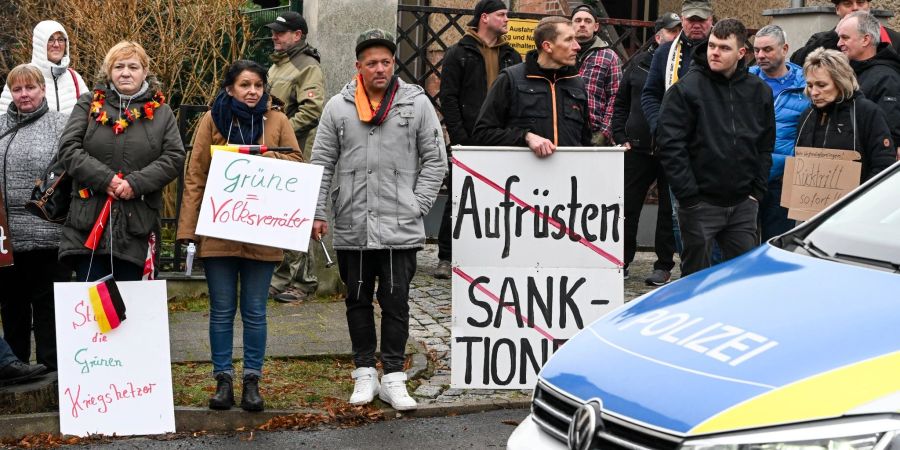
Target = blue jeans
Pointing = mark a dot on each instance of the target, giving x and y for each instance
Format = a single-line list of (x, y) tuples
[(222, 276), (6, 354)]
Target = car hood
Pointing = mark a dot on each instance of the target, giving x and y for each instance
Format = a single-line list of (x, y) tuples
[(768, 338)]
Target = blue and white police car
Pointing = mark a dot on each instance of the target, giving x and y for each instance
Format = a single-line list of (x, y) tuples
[(794, 345)]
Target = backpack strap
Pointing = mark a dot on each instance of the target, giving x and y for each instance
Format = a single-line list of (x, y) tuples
[(75, 81)]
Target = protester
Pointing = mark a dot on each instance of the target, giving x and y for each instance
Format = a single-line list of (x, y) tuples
[(717, 154), (829, 39), (642, 166), (599, 66), (876, 64), (517, 112), (468, 69), (12, 370), (30, 133), (385, 137), (297, 80), (241, 115), (50, 54), (840, 116), (121, 143), (787, 84)]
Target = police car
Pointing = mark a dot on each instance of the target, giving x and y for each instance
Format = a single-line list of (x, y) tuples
[(794, 345)]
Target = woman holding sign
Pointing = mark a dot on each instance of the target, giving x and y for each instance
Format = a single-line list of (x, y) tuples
[(29, 134), (841, 117), (122, 147), (240, 115)]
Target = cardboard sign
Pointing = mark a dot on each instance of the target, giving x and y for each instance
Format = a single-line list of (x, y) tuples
[(119, 382), (536, 258), (6, 251), (817, 177), (260, 200), (521, 35)]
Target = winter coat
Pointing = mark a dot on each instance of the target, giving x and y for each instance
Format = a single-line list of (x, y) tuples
[(879, 81), (296, 79), (26, 154), (388, 175), (601, 71), (829, 40), (833, 127), (790, 103), (464, 86), (628, 122), (655, 87), (277, 132), (63, 86), (522, 101), (149, 154), (716, 135)]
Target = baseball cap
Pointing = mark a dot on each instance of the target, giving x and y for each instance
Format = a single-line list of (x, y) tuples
[(373, 37), (696, 8), (667, 20), (289, 21), (485, 7)]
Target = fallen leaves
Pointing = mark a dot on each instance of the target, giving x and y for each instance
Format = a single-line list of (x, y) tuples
[(337, 412)]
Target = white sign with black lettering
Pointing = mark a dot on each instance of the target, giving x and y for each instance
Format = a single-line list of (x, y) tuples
[(537, 253)]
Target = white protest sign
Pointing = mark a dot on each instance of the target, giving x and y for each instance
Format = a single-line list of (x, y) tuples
[(537, 251), (260, 200), (119, 382)]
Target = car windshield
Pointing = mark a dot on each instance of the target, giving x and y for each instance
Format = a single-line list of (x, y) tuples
[(866, 230)]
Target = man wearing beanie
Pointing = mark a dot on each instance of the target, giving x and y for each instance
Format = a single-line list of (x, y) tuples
[(599, 66), (829, 39), (469, 68)]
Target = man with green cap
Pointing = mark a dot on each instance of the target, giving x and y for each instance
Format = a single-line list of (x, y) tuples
[(384, 137), (297, 80)]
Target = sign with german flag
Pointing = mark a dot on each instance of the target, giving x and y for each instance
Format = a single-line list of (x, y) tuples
[(114, 374)]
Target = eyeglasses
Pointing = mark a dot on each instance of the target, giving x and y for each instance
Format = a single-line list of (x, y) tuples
[(60, 41)]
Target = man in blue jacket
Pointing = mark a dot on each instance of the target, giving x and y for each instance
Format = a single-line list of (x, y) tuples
[(787, 83)]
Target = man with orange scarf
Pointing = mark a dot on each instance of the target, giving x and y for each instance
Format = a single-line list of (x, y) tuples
[(385, 138)]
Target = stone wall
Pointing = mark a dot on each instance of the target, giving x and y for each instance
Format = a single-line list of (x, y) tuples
[(750, 11)]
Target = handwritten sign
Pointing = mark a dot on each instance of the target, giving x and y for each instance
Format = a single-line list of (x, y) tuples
[(817, 177), (521, 35), (260, 200), (119, 382), (6, 252), (536, 258)]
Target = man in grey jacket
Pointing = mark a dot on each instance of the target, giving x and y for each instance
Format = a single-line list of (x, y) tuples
[(383, 138)]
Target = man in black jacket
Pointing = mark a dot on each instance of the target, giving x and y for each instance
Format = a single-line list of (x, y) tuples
[(642, 167), (467, 71), (876, 64), (829, 39), (715, 138), (540, 103)]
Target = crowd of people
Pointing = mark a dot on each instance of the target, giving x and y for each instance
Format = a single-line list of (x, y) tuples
[(694, 118)]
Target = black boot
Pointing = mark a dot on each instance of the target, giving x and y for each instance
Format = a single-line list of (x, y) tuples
[(18, 372), (250, 398), (224, 396)]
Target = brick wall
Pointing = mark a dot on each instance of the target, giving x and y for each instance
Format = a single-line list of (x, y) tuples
[(559, 7)]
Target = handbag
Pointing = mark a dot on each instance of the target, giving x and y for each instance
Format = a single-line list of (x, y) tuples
[(52, 194)]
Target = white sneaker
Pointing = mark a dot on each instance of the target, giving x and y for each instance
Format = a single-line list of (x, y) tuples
[(366, 386), (393, 391)]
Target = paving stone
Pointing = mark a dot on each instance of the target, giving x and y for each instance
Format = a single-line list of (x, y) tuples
[(428, 391)]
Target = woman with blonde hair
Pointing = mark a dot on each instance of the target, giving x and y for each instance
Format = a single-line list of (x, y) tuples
[(121, 142), (840, 117)]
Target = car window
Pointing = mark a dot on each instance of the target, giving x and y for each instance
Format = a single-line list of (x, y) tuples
[(866, 229)]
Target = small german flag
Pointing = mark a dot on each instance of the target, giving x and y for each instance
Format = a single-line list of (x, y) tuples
[(107, 304)]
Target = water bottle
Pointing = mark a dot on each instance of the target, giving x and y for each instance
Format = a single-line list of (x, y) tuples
[(189, 262)]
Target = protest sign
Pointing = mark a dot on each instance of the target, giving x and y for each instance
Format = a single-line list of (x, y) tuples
[(118, 382), (537, 252), (6, 252), (521, 35), (814, 178), (260, 200)]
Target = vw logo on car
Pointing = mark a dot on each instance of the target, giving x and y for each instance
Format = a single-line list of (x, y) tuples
[(584, 426)]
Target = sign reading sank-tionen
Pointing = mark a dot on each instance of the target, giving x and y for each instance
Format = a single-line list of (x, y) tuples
[(537, 252), (118, 382), (260, 200)]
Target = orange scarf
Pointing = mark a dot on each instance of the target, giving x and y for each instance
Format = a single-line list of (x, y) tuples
[(364, 109)]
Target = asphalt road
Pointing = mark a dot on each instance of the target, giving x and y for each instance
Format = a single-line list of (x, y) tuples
[(482, 430)]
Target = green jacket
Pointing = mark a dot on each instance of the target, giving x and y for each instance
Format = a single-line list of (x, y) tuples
[(149, 153), (296, 79)]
